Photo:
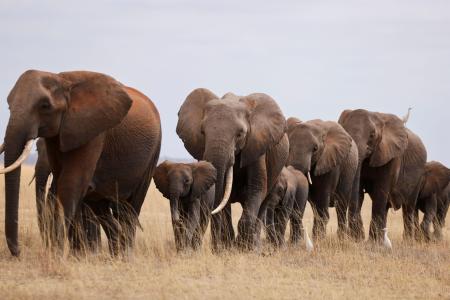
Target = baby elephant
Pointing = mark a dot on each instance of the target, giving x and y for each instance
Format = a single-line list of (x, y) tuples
[(286, 200), (433, 199), (190, 189)]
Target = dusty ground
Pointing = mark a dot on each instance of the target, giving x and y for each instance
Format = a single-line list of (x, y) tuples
[(335, 270)]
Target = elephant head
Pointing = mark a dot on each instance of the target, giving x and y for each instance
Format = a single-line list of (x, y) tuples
[(228, 131), (184, 184), (71, 108), (317, 146), (435, 179), (380, 137), (178, 181)]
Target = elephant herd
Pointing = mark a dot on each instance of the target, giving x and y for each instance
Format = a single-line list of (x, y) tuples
[(101, 142)]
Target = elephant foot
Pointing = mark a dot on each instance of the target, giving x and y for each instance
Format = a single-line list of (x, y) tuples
[(244, 244), (357, 235), (437, 235), (342, 233)]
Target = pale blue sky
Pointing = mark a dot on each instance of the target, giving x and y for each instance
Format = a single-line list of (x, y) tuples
[(316, 58)]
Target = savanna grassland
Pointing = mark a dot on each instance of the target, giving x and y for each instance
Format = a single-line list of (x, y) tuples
[(335, 270)]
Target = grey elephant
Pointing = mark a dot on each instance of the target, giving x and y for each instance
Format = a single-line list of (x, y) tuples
[(327, 154), (287, 200), (244, 138), (433, 200), (390, 168), (190, 189)]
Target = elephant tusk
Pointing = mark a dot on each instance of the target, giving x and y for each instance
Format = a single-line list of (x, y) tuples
[(226, 195), (25, 153), (2, 148), (309, 178)]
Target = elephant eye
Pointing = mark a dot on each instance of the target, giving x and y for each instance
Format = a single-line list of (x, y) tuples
[(44, 104), (316, 148), (372, 134)]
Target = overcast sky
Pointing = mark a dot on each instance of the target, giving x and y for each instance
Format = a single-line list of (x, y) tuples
[(316, 58)]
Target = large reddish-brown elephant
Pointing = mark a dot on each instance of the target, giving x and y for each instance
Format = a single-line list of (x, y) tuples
[(103, 141)]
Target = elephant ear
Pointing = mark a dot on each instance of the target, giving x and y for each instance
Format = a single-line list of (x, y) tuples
[(344, 116), (394, 140), (161, 178), (436, 178), (292, 123), (337, 146), (204, 177), (267, 126), (190, 118), (96, 103), (289, 193)]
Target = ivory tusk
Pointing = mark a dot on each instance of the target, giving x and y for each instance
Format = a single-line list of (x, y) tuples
[(226, 195), (309, 178), (25, 153), (2, 148)]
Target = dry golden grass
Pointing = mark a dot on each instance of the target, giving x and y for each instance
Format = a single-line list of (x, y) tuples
[(335, 270)]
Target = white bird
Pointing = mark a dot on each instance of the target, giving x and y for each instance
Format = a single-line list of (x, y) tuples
[(308, 243), (386, 241)]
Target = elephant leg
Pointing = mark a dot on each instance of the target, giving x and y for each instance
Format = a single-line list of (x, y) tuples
[(439, 219), (437, 225), (41, 175), (77, 171), (321, 215), (91, 228), (110, 225), (297, 223), (256, 194), (270, 226), (321, 191), (247, 226), (227, 228), (428, 217), (125, 214), (356, 226), (281, 218), (216, 232), (410, 219), (341, 212), (48, 217), (379, 213), (195, 233)]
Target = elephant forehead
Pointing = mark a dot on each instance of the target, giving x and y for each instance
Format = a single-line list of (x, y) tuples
[(228, 105), (305, 132), (436, 167), (179, 170), (29, 86)]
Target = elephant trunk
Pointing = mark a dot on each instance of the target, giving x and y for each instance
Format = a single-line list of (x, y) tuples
[(223, 161), (174, 211), (15, 141)]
